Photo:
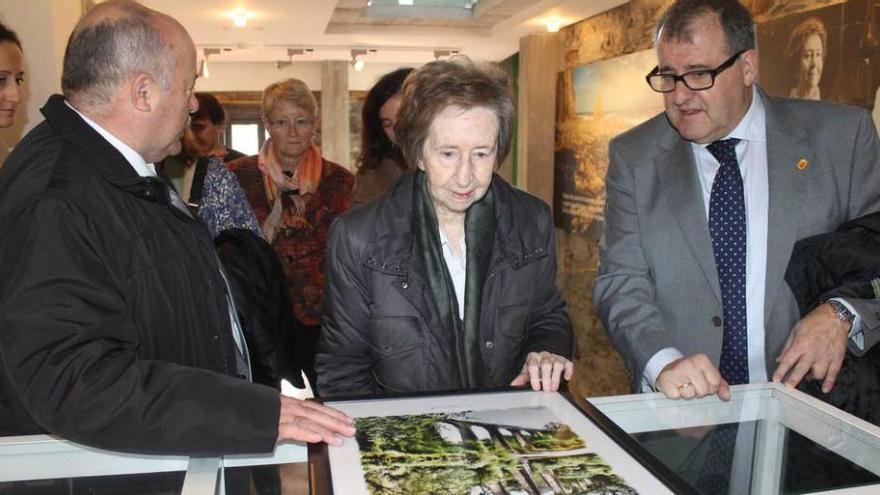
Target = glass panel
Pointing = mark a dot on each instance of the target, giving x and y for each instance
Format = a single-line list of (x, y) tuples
[(461, 4), (722, 459), (417, 9), (245, 138), (270, 479), (170, 483)]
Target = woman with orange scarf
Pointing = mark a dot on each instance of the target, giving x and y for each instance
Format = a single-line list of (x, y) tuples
[(295, 194)]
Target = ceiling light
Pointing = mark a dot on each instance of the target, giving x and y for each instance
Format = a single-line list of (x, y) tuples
[(240, 17), (357, 60), (204, 71), (444, 54), (553, 24)]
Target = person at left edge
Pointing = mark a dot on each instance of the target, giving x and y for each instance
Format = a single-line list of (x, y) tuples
[(115, 328)]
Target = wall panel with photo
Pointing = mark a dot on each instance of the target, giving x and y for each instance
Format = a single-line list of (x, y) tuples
[(595, 102), (829, 53)]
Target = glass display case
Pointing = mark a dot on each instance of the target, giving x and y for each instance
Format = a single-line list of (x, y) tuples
[(768, 439), (41, 464)]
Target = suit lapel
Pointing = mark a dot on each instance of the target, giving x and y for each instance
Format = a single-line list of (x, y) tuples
[(786, 145), (678, 180)]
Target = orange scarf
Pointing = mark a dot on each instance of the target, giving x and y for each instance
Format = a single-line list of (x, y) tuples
[(305, 182)]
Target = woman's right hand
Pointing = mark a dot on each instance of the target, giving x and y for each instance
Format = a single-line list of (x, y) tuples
[(544, 371)]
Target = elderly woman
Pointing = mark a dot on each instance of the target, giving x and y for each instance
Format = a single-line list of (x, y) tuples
[(807, 48), (295, 195), (380, 162), (11, 78), (447, 281)]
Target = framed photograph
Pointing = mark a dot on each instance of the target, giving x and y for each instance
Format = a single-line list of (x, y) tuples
[(485, 443)]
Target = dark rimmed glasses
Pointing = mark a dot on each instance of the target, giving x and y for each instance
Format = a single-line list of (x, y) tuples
[(695, 80)]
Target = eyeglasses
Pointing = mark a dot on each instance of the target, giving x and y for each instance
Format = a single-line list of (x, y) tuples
[(284, 125), (695, 80)]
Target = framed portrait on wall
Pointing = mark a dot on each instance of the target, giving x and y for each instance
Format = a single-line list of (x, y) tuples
[(508, 441), (830, 53)]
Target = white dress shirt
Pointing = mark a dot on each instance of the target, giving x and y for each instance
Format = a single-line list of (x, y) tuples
[(457, 266)]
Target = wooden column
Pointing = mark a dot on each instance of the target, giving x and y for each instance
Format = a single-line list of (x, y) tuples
[(335, 138), (540, 59)]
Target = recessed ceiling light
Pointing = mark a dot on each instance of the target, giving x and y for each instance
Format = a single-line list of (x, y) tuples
[(240, 17)]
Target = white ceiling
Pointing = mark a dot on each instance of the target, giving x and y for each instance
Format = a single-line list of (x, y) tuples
[(333, 28)]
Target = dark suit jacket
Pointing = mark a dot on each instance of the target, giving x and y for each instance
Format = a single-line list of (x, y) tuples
[(114, 326), (658, 285)]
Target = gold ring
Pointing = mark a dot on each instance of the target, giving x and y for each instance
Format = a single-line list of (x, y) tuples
[(688, 384)]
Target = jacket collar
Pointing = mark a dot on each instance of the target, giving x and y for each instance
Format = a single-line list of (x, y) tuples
[(107, 161), (787, 143), (390, 245)]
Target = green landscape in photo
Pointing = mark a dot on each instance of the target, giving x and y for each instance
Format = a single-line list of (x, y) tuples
[(460, 453)]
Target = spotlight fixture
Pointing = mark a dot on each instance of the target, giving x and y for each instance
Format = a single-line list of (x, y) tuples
[(204, 71), (553, 24), (444, 54), (357, 60)]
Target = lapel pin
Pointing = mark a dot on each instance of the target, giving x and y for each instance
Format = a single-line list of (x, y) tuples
[(802, 164)]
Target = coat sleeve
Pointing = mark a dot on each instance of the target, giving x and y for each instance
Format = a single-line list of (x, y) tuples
[(624, 290), (71, 352), (865, 199), (549, 324), (342, 360)]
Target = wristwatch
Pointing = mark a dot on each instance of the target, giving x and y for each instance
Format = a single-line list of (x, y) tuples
[(841, 311)]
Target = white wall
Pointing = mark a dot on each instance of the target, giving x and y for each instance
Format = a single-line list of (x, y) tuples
[(43, 27), (254, 76)]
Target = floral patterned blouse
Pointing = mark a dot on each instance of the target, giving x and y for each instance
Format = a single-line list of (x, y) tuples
[(223, 204)]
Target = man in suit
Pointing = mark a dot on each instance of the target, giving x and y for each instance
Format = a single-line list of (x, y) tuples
[(704, 204), (116, 324)]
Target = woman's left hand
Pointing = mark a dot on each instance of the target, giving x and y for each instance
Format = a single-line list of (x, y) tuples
[(544, 370)]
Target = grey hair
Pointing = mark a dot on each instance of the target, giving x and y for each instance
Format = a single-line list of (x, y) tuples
[(101, 55), (739, 31)]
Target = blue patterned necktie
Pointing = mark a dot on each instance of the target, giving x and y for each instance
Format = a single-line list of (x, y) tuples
[(727, 225)]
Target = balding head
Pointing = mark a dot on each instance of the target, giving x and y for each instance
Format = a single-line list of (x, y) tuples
[(113, 42)]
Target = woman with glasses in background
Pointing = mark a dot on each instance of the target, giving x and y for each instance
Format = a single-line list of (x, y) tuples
[(296, 194)]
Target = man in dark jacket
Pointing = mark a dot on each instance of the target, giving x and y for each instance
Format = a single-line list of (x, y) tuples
[(115, 325), (843, 264)]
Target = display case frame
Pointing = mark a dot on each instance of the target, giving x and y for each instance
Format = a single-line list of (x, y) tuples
[(341, 469)]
